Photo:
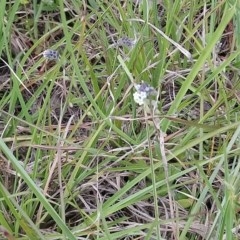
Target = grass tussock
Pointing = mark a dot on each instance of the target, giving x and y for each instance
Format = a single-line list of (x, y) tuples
[(119, 119)]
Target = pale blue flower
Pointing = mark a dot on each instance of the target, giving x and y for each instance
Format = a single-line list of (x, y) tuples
[(125, 41), (143, 92), (51, 54)]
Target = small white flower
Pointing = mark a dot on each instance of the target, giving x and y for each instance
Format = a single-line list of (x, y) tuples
[(140, 97), (125, 41), (51, 54), (143, 91)]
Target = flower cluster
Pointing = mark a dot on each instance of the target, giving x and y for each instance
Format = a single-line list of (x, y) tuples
[(51, 54), (143, 92), (125, 41)]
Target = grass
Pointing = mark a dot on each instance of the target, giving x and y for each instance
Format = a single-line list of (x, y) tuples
[(80, 159)]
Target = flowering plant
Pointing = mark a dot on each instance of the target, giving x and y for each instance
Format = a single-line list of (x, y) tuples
[(51, 54), (143, 93)]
